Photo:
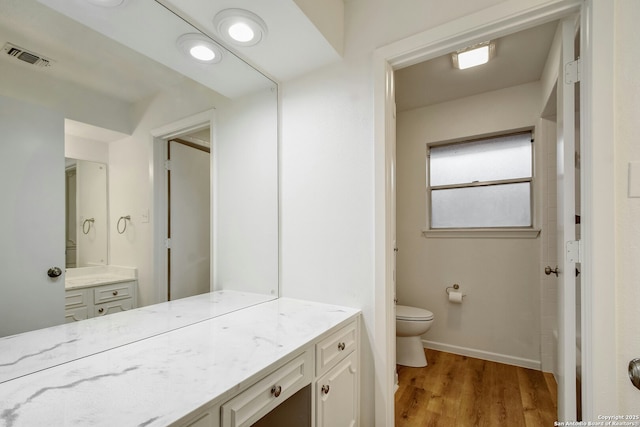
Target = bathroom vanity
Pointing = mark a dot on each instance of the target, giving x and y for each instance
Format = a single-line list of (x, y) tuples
[(97, 291), (232, 369)]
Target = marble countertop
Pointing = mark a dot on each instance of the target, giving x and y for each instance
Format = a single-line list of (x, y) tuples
[(158, 380), (76, 278), (29, 352)]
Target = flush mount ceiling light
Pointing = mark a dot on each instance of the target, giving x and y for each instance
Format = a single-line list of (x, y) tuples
[(200, 48), (107, 3), (240, 27), (473, 56)]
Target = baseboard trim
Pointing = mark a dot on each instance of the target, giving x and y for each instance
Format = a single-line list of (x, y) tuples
[(484, 355)]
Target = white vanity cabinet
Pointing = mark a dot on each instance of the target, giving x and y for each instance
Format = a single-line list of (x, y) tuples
[(98, 300), (283, 362), (328, 365), (337, 388)]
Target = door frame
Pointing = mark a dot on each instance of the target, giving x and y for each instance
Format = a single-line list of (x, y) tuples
[(597, 167), (159, 189)]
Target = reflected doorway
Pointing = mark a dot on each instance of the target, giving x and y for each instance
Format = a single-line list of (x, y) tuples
[(189, 215)]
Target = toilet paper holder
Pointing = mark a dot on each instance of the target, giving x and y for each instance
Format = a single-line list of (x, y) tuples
[(454, 287)]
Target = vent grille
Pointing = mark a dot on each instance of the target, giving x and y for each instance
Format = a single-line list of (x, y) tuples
[(26, 56)]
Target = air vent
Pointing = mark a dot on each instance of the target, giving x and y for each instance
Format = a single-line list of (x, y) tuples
[(26, 56)]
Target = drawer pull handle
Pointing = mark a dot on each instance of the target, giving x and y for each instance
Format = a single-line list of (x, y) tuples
[(101, 310), (276, 390), (341, 346), (115, 293), (325, 389)]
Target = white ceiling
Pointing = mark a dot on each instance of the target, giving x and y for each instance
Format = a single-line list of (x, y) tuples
[(84, 57), (130, 52), (98, 59), (519, 59), (293, 46)]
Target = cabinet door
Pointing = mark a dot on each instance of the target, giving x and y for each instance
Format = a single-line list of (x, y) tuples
[(337, 395), (75, 314)]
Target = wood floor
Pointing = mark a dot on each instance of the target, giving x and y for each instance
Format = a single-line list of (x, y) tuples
[(461, 391)]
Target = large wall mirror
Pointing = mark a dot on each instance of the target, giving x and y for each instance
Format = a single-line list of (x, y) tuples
[(86, 214), (94, 84)]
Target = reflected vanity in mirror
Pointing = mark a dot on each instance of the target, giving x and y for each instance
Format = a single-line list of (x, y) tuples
[(78, 62)]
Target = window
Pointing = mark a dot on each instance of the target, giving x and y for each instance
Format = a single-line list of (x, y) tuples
[(484, 183)]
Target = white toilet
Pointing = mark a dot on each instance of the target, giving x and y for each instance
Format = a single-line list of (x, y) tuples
[(411, 322)]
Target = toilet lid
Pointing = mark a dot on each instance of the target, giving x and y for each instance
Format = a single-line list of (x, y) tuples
[(404, 312)]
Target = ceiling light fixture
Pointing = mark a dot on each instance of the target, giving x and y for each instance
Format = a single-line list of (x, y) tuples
[(473, 56), (240, 27), (200, 48)]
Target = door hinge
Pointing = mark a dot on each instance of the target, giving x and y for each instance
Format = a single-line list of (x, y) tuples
[(167, 243), (574, 253), (167, 165), (572, 71)]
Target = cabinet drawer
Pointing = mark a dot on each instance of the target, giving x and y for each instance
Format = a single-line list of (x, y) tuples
[(335, 347), (76, 298), (113, 292), (112, 307), (262, 397)]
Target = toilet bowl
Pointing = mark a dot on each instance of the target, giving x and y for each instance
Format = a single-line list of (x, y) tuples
[(411, 323)]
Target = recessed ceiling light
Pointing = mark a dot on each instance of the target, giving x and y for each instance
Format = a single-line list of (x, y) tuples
[(240, 27), (474, 55), (107, 3), (200, 48)]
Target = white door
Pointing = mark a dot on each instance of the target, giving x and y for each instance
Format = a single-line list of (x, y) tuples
[(189, 221), (32, 234), (567, 246), (390, 129)]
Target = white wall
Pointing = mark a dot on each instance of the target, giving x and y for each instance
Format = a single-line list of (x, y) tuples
[(77, 147), (627, 92), (75, 102), (328, 173), (499, 318), (327, 166)]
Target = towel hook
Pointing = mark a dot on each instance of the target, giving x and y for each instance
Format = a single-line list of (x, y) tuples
[(86, 225), (125, 219)]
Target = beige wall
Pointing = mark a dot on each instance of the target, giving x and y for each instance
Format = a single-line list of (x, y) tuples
[(500, 316)]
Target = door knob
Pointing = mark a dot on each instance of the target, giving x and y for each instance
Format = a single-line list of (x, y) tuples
[(634, 372), (548, 270), (54, 272)]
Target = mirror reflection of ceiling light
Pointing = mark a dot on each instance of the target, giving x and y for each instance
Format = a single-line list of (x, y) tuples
[(474, 55), (200, 48), (240, 27)]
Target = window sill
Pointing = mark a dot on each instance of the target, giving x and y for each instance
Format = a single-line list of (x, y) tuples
[(482, 233)]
